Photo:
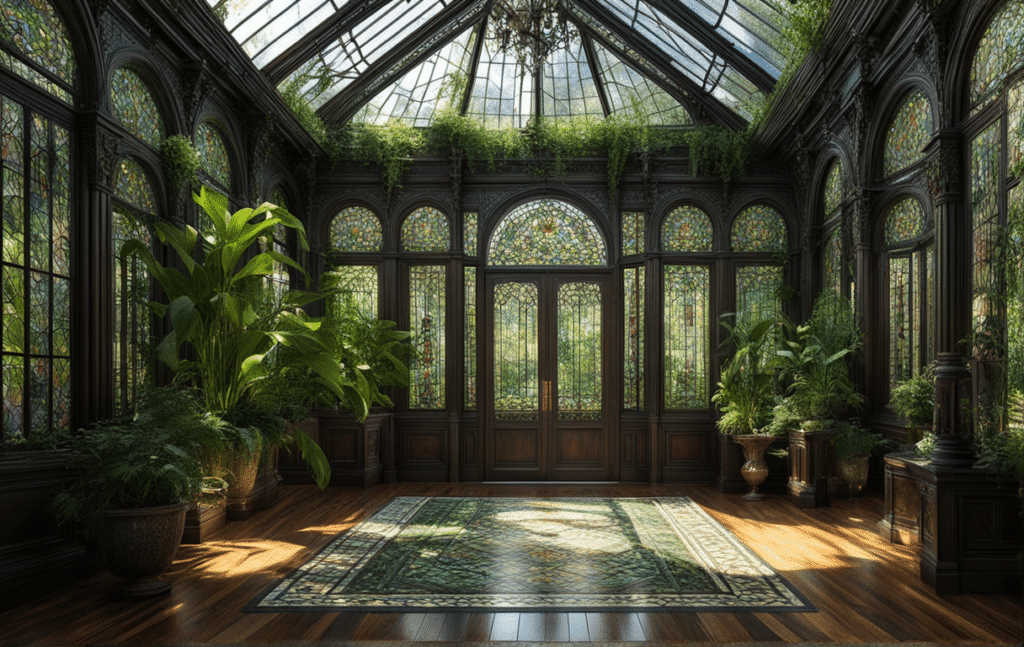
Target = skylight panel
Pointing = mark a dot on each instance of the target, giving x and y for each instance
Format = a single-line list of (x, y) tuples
[(424, 89), (502, 94), (755, 28), (708, 10), (265, 28), (627, 90), (569, 86)]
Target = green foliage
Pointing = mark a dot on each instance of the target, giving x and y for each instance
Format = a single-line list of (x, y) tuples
[(745, 392), (718, 152), (390, 146), (312, 122), (181, 160), (913, 399), (147, 457), (853, 440)]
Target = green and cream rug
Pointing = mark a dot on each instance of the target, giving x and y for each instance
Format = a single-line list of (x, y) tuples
[(541, 555)]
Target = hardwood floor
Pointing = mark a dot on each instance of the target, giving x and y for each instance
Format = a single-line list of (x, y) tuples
[(865, 589)]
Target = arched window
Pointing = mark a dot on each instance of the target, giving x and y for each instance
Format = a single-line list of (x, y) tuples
[(134, 208), (832, 262), (687, 229), (356, 230), (833, 197), (425, 230), (213, 156), (1000, 53), (911, 269), (132, 104), (43, 48), (759, 229), (546, 232), (279, 279), (908, 133)]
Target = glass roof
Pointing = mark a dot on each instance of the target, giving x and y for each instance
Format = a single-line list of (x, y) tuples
[(375, 60)]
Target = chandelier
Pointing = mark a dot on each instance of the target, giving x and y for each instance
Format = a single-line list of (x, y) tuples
[(529, 30)]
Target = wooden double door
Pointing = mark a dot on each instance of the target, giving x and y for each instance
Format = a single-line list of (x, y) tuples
[(547, 380)]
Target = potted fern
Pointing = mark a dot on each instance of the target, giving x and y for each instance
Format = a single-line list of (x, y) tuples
[(913, 400)]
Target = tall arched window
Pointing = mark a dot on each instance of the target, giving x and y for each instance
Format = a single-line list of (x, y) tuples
[(425, 230), (687, 288), (833, 196), (132, 104), (279, 279), (41, 45), (911, 270), (214, 166), (134, 208), (761, 229), (908, 133), (356, 230)]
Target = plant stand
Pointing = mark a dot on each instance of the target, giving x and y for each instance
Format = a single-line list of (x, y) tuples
[(810, 465), (755, 470), (204, 519)]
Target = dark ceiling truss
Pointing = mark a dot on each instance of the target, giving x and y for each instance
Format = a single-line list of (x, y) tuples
[(591, 53), (648, 59), (716, 43), (441, 29)]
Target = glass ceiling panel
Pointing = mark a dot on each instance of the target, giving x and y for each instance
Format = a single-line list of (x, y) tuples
[(569, 86), (502, 95), (754, 27), (626, 88), (265, 28), (424, 89)]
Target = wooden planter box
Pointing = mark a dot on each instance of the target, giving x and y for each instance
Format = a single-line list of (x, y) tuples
[(203, 520), (811, 460), (359, 453)]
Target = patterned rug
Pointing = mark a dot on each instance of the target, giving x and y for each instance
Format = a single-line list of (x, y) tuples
[(537, 555)]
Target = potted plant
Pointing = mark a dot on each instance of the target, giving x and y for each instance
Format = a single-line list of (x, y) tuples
[(746, 392), (853, 445), (913, 400), (816, 366), (137, 475)]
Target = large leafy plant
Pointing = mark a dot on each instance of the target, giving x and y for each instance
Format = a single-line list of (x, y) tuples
[(746, 391)]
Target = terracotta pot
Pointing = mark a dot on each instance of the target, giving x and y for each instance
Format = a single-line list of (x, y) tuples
[(853, 471), (139, 544), (755, 470)]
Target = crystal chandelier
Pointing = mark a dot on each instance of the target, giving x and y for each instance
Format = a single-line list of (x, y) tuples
[(530, 30)]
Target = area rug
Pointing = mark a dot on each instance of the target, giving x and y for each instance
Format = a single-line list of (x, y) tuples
[(538, 555)]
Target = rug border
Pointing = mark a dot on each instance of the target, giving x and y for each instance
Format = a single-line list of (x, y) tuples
[(252, 605)]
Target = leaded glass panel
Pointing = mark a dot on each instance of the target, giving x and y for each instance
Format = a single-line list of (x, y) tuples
[(33, 28), (516, 378), (213, 154), (908, 133), (502, 95), (355, 229), (427, 324), (633, 288), (629, 91), (835, 189), (902, 322), (12, 123), (1015, 294), (999, 53), (469, 233), (132, 186), (569, 89), (905, 222), (759, 229), (832, 262), (469, 361), (546, 232), (632, 233), (985, 151), (425, 230), (1015, 125), (757, 292), (279, 279), (687, 352), (132, 104), (687, 229), (579, 351), (357, 288), (131, 322)]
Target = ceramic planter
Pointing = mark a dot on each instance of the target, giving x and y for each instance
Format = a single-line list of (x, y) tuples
[(755, 469), (139, 544), (853, 471)]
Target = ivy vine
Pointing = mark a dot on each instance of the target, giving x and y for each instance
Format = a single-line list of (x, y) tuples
[(181, 160)]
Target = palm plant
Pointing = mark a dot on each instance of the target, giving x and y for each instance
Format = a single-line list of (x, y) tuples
[(747, 384)]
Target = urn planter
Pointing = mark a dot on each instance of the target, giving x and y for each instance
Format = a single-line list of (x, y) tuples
[(138, 544), (755, 469)]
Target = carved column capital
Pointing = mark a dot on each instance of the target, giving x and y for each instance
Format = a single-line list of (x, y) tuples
[(945, 169)]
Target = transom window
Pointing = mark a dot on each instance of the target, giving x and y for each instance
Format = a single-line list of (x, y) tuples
[(908, 133), (132, 104), (547, 232)]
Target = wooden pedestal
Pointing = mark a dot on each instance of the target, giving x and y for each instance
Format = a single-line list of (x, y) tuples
[(810, 465)]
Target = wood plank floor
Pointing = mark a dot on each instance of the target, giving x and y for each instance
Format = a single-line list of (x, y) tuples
[(865, 589)]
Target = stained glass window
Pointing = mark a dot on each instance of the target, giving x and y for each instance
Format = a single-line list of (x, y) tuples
[(908, 133), (425, 230), (355, 229), (905, 222), (1015, 124), (757, 292), (279, 279), (579, 351), (999, 53), (633, 286), (546, 232), (357, 288), (632, 233), (516, 377), (687, 352), (213, 155), (469, 233), (470, 350), (133, 105), (835, 189), (902, 320), (134, 207), (759, 229), (687, 229), (985, 151), (33, 29), (832, 261), (35, 268), (427, 325)]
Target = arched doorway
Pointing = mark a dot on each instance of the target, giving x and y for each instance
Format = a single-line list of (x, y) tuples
[(548, 384)]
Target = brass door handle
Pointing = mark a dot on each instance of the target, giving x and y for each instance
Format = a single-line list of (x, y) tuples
[(546, 400)]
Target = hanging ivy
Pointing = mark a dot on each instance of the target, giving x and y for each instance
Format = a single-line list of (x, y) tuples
[(718, 152), (181, 160)]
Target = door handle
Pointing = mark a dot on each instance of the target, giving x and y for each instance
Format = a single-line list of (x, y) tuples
[(546, 398)]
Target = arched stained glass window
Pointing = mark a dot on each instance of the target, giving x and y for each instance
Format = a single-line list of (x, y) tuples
[(633, 233), (759, 229), (132, 104), (355, 229), (687, 229), (546, 232), (905, 222), (280, 279), (213, 154), (832, 262), (134, 206), (908, 133), (999, 53), (835, 188), (425, 230), (33, 28)]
